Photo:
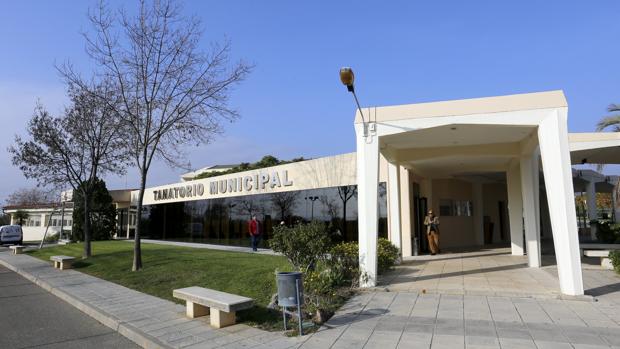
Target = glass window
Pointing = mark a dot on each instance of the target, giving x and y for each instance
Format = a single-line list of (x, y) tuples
[(224, 220)]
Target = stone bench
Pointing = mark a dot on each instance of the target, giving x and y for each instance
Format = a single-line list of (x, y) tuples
[(62, 262), (17, 249), (221, 306), (592, 246), (602, 254)]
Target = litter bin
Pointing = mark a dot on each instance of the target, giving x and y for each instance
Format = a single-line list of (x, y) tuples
[(287, 288)]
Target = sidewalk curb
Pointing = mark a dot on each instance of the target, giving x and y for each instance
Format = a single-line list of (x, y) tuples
[(123, 328)]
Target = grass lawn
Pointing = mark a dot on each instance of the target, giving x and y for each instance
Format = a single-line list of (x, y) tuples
[(171, 267)]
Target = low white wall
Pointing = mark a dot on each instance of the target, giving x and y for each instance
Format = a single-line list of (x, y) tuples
[(36, 233)]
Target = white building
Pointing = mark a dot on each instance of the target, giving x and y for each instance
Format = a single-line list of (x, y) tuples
[(497, 170), (51, 218)]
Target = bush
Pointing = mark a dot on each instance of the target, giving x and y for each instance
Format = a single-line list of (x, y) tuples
[(614, 256), (52, 237), (606, 231), (303, 244), (387, 255), (330, 271), (347, 253)]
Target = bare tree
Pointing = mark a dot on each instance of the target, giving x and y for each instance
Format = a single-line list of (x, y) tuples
[(172, 93), (330, 206), (285, 202), (74, 148), (31, 196), (346, 192)]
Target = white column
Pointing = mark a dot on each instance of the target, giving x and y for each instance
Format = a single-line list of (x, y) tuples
[(367, 187), (591, 201), (553, 139), (394, 204), (478, 213), (515, 209), (406, 205), (529, 189)]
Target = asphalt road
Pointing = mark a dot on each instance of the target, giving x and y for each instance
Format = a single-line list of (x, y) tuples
[(31, 317)]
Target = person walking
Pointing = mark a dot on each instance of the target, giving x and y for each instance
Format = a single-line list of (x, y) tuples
[(254, 230), (432, 231)]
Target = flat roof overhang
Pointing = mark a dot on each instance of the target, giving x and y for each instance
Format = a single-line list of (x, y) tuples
[(594, 148)]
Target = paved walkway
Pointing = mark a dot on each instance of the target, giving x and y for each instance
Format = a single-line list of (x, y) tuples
[(378, 319), (30, 317), (483, 272), (148, 321), (477, 300)]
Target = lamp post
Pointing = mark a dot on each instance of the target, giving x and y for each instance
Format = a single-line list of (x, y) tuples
[(313, 199), (348, 78)]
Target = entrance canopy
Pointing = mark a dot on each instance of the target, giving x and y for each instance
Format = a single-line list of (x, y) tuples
[(595, 148), (497, 136)]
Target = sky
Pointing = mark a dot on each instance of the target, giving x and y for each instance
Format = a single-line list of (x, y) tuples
[(293, 104)]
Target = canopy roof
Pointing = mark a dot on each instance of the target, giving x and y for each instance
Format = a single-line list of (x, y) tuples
[(594, 148)]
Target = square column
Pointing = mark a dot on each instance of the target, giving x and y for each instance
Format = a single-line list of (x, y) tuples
[(406, 206), (529, 191), (554, 150), (367, 205), (515, 209), (591, 201), (394, 205), (478, 213)]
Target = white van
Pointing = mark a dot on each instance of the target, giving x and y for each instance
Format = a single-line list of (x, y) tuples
[(11, 234)]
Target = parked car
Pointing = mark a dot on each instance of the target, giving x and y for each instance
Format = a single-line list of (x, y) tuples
[(11, 234)]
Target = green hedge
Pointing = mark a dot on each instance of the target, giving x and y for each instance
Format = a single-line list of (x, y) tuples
[(615, 259)]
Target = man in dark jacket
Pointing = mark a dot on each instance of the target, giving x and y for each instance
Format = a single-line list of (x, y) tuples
[(254, 230)]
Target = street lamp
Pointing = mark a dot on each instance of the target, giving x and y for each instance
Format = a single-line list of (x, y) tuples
[(313, 199), (348, 78)]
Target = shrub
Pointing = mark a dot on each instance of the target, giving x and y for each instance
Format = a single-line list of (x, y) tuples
[(348, 254), (614, 256), (344, 258), (303, 244), (52, 237), (606, 231), (387, 255)]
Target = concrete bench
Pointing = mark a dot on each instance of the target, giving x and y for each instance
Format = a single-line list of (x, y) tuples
[(221, 306), (62, 262), (602, 254), (17, 249), (584, 247)]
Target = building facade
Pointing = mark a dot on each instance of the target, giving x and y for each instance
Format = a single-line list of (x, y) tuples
[(497, 170)]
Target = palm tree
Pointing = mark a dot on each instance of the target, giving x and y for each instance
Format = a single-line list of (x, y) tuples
[(610, 121)]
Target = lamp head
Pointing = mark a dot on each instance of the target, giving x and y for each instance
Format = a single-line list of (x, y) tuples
[(347, 78)]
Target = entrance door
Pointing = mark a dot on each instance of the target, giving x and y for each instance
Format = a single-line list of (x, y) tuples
[(420, 205)]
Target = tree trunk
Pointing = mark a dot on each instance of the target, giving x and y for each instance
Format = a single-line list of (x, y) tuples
[(344, 219), (137, 251), (87, 248)]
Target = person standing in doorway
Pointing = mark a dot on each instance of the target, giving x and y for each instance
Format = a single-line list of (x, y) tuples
[(254, 230), (432, 231)]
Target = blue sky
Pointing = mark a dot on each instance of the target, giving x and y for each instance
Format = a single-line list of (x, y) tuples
[(293, 104)]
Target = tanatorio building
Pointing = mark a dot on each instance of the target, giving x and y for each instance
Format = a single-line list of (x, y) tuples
[(496, 170)]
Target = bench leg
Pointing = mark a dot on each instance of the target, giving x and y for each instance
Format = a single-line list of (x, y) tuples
[(56, 264), (606, 263), (194, 310), (221, 319), (65, 265)]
